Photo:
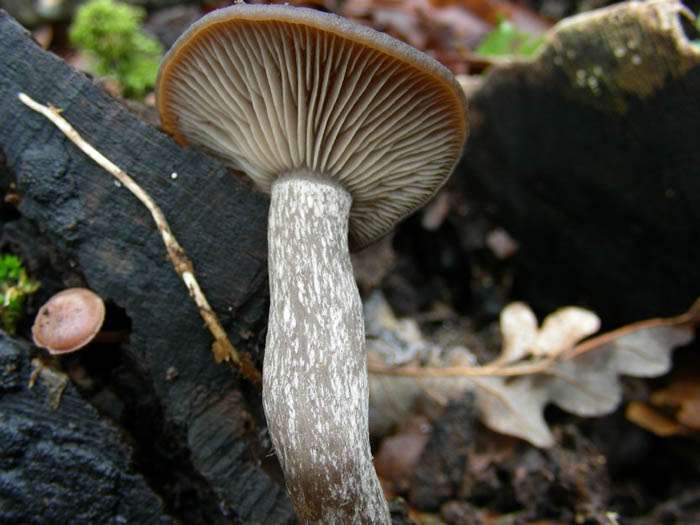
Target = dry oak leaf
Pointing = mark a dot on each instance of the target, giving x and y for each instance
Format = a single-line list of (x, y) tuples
[(537, 366)]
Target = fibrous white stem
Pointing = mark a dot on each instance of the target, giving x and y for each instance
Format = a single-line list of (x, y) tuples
[(315, 390)]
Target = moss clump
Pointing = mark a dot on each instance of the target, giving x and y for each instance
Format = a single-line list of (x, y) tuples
[(15, 285), (111, 32)]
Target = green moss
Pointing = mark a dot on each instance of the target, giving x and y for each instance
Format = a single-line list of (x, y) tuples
[(111, 32), (15, 285), (507, 40)]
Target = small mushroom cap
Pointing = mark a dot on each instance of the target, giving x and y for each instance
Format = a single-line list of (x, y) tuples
[(68, 321), (273, 89)]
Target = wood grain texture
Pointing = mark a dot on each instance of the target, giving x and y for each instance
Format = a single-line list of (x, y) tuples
[(60, 461)]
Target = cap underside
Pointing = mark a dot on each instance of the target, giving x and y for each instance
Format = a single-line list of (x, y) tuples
[(274, 89)]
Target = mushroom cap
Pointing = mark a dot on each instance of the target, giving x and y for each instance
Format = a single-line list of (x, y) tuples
[(68, 321), (273, 89)]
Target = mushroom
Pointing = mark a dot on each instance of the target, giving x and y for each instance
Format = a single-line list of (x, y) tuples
[(68, 321), (350, 131)]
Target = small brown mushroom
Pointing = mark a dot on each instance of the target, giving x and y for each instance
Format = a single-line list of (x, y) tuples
[(68, 321)]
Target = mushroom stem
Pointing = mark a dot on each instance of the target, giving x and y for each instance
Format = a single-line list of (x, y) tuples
[(315, 389)]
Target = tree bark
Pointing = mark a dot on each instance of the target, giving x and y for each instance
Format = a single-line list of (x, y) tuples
[(315, 376)]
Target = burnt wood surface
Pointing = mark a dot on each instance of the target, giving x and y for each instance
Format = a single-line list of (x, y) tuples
[(588, 155), (103, 233), (60, 462)]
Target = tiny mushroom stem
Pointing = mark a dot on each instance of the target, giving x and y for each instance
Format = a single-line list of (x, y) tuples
[(350, 131)]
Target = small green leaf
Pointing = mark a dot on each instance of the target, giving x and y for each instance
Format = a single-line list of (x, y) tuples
[(507, 40)]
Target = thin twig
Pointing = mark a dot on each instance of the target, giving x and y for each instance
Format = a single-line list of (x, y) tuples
[(222, 348), (542, 365), (530, 367)]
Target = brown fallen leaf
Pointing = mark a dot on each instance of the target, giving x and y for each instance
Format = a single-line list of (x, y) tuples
[(683, 397), (671, 411), (446, 29), (398, 454), (652, 420)]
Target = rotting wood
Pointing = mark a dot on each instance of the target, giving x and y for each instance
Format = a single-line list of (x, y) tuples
[(105, 235), (222, 348)]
